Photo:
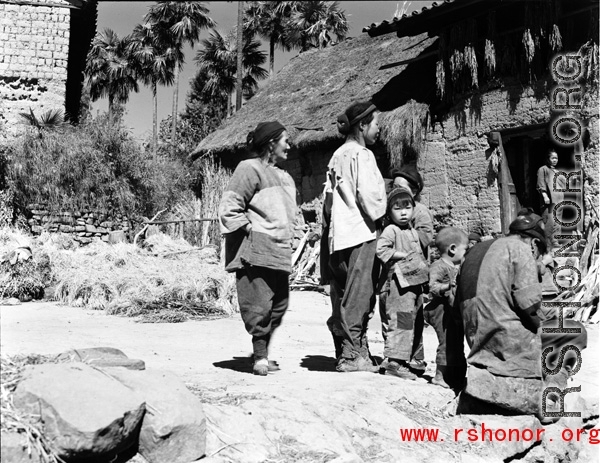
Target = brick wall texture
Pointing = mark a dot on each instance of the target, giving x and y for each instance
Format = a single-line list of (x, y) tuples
[(34, 49)]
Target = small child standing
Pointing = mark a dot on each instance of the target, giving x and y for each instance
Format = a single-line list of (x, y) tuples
[(405, 272), (452, 244)]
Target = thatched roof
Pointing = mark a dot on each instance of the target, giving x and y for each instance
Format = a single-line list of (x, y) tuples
[(316, 86)]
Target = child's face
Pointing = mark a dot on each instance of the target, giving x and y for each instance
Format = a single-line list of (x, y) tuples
[(472, 243), (401, 214), (459, 252), (552, 159)]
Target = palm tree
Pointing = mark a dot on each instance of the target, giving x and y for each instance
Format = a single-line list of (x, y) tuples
[(109, 71), (217, 63), (270, 20), (156, 56), (313, 24), (184, 21)]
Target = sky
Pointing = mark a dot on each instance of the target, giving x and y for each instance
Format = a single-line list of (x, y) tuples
[(122, 17)]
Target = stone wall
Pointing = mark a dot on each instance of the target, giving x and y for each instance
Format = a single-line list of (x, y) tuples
[(34, 52), (84, 225)]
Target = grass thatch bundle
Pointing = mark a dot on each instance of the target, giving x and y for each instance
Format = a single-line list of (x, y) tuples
[(13, 420), (182, 282), (403, 132)]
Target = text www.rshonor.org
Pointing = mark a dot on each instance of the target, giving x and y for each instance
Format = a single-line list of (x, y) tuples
[(485, 434)]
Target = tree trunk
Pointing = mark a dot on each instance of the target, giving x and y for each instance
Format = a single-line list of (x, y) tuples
[(240, 45), (271, 56), (111, 109), (154, 121), (175, 101)]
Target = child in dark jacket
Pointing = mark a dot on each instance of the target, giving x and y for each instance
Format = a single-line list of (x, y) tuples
[(405, 269), (452, 244)]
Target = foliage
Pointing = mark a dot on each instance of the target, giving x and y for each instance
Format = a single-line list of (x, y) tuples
[(109, 69), (51, 119), (182, 21), (217, 63), (96, 164), (314, 24)]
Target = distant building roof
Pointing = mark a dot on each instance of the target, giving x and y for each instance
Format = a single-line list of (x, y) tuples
[(432, 17)]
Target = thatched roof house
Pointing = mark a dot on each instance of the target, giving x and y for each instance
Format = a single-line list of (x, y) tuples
[(309, 93), (316, 86), (466, 87)]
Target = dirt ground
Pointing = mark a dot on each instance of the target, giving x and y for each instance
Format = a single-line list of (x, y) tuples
[(305, 412)]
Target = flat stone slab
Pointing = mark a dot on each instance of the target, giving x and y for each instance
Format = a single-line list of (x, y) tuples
[(102, 357)]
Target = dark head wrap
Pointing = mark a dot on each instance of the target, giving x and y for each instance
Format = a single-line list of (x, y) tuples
[(529, 224), (344, 124), (411, 174), (474, 236), (264, 132)]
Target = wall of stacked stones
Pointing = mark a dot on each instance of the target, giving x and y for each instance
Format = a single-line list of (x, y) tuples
[(461, 187), (34, 49), (83, 225)]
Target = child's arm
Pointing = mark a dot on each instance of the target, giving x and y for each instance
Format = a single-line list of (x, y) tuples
[(386, 246), (439, 281)]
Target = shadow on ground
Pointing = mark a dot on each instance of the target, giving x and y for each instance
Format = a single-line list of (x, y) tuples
[(240, 364)]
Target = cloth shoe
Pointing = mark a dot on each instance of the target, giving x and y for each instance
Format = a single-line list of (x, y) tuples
[(261, 367), (399, 369), (357, 364), (417, 366), (438, 379)]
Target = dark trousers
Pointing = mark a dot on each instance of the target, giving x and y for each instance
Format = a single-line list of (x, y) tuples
[(263, 297), (447, 324), (353, 277), (551, 228), (402, 322)]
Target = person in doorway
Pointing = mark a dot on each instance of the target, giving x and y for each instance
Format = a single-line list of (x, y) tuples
[(409, 177), (406, 271), (257, 214), (499, 296), (551, 188), (452, 244), (355, 201)]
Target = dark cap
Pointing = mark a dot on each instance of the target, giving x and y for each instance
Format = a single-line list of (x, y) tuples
[(411, 174), (474, 236), (529, 224), (398, 193)]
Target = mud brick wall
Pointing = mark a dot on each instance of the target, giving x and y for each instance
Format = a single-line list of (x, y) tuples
[(460, 187), (84, 225), (34, 50)]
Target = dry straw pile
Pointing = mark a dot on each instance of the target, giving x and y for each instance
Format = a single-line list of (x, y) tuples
[(170, 281)]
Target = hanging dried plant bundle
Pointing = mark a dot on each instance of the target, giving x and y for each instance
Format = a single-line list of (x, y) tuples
[(456, 64), (471, 64), (591, 68), (403, 132), (555, 39), (490, 57), (528, 45), (440, 78), (495, 161)]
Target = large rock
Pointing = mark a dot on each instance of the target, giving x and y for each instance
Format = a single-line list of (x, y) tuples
[(16, 449), (174, 427), (102, 357), (517, 395), (85, 413)]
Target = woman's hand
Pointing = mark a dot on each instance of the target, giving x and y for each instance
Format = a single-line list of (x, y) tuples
[(546, 198), (248, 228)]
